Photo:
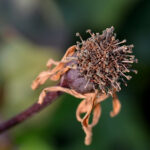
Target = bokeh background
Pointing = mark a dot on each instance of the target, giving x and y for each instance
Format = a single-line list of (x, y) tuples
[(31, 32)]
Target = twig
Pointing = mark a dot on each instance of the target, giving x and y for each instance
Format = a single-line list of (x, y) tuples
[(49, 98)]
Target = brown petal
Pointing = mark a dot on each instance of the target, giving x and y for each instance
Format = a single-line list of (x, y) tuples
[(96, 115), (116, 105)]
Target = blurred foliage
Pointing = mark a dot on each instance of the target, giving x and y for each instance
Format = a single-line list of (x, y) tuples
[(31, 32)]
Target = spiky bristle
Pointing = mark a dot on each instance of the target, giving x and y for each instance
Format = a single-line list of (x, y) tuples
[(104, 60)]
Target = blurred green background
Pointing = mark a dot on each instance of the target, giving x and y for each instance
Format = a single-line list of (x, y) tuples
[(31, 32)]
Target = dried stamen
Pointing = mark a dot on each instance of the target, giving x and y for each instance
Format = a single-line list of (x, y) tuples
[(103, 59)]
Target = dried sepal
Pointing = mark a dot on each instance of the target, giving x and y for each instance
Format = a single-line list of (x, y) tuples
[(55, 73)]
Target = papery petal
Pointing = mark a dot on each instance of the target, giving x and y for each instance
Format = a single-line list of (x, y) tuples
[(96, 115), (116, 105)]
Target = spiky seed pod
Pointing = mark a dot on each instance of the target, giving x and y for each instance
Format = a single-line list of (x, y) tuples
[(104, 61)]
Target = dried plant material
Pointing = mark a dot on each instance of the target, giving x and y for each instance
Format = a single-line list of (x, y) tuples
[(104, 61), (93, 70), (55, 73), (116, 105)]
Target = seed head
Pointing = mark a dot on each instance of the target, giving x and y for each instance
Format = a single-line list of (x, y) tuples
[(104, 61)]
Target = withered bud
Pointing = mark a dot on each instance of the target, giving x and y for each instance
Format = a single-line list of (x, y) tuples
[(104, 61)]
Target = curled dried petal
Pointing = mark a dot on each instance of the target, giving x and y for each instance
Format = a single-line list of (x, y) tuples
[(116, 105)]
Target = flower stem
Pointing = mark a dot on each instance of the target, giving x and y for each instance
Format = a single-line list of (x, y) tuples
[(49, 98)]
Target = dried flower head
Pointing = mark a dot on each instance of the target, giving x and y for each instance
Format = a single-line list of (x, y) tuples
[(92, 70), (104, 61)]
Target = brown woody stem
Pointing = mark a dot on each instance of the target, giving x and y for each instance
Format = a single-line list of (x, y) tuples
[(50, 97), (35, 108)]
